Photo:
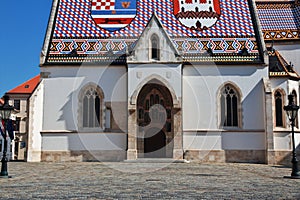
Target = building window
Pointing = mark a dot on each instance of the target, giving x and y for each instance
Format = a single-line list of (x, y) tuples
[(278, 109), (230, 102), (155, 47), (294, 93), (92, 113), (17, 124), (17, 104)]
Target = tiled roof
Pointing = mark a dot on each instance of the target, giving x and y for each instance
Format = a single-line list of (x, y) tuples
[(279, 20), (279, 67), (74, 20), (74, 28), (26, 87)]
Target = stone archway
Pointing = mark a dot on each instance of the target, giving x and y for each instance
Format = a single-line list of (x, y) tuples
[(139, 126), (155, 122)]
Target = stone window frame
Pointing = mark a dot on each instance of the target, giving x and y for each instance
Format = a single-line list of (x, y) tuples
[(17, 104), (154, 37), (283, 97), (296, 102), (81, 96), (239, 107)]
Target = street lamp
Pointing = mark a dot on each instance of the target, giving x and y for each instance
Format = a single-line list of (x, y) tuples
[(5, 112), (292, 111)]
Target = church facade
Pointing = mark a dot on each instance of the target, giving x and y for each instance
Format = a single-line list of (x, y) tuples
[(183, 79)]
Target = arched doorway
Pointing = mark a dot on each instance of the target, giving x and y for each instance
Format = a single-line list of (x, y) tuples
[(155, 144), (155, 122)]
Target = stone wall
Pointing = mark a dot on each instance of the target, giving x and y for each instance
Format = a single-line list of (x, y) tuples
[(83, 156), (222, 156)]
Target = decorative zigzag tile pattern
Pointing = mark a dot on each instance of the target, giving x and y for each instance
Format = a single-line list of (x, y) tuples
[(184, 45)]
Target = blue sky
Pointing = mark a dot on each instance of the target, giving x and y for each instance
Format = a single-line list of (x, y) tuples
[(23, 25)]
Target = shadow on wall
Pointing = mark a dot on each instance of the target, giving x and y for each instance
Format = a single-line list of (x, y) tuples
[(69, 114), (77, 144), (252, 108), (285, 157)]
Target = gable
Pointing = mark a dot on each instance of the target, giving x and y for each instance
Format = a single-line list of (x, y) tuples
[(75, 30), (142, 51)]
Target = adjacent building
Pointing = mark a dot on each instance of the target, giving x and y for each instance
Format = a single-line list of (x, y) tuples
[(19, 98)]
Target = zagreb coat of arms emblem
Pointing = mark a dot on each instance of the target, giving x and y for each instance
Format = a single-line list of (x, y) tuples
[(197, 14), (113, 15)]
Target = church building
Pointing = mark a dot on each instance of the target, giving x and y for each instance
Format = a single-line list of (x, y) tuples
[(202, 80)]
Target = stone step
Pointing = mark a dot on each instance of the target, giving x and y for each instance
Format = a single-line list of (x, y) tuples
[(157, 160)]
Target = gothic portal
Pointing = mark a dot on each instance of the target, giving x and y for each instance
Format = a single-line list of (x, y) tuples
[(155, 122)]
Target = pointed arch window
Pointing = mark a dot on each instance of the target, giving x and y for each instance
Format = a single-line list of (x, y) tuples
[(155, 53), (294, 93), (91, 107), (278, 109), (230, 103)]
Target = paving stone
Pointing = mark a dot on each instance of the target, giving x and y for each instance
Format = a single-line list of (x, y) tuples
[(92, 180)]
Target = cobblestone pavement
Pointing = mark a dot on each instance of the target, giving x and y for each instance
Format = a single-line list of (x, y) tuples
[(94, 180)]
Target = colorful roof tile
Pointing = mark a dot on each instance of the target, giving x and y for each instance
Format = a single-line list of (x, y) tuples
[(279, 20), (74, 20), (26, 87), (279, 67), (75, 29)]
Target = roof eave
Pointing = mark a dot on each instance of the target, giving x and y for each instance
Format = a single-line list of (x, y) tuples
[(49, 32), (258, 32)]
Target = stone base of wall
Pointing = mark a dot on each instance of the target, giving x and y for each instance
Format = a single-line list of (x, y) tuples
[(204, 156), (221, 156), (83, 156), (33, 156), (214, 156), (285, 157)]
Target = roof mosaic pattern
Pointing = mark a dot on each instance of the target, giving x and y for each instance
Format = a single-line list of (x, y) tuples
[(76, 35), (74, 20), (279, 20)]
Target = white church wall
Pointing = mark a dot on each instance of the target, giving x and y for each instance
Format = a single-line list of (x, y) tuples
[(201, 85), (224, 141), (84, 141), (83, 147), (62, 138), (291, 52), (138, 73), (282, 141), (112, 79), (202, 134), (282, 135), (63, 88), (297, 140), (36, 112), (202, 141), (293, 86), (279, 83)]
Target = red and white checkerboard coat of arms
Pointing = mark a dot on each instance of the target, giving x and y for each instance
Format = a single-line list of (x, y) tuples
[(113, 14), (197, 14)]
